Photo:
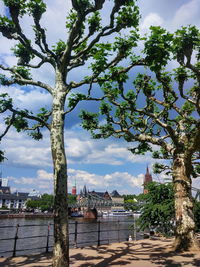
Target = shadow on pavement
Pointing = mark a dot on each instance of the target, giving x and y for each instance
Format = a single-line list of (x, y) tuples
[(128, 254), (32, 260)]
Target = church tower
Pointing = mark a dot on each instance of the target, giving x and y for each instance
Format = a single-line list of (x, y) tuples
[(147, 179), (74, 189)]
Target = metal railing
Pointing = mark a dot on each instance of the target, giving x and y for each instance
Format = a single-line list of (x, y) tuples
[(103, 236), (18, 237)]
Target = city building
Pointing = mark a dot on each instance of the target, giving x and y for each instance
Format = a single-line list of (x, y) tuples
[(4, 188), (103, 201), (34, 193), (101, 195), (15, 200), (147, 179), (117, 198)]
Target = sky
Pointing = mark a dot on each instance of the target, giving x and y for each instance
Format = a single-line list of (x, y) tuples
[(99, 164)]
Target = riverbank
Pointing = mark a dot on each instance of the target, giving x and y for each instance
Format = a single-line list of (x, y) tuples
[(141, 253), (26, 215)]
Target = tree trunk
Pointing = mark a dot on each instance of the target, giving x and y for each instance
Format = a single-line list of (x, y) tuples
[(185, 225), (61, 242)]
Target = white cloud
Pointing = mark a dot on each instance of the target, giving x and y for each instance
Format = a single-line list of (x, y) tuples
[(24, 181), (77, 148), (121, 181), (44, 175), (32, 100), (84, 177), (43, 182), (54, 20), (2, 8), (152, 19), (80, 148), (6, 46), (22, 150), (187, 14)]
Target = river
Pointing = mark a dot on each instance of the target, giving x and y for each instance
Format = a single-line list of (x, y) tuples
[(32, 233)]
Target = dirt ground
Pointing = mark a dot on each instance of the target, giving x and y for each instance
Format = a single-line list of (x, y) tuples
[(142, 253)]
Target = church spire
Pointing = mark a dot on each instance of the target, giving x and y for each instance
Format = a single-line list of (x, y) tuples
[(147, 179)]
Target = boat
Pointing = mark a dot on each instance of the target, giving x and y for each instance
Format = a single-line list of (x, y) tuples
[(117, 213), (76, 214)]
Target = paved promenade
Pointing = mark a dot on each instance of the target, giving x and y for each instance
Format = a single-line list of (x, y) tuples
[(142, 253)]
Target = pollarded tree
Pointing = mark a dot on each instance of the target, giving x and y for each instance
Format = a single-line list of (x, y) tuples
[(86, 44), (161, 108)]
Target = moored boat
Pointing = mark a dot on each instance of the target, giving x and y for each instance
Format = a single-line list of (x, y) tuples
[(118, 213)]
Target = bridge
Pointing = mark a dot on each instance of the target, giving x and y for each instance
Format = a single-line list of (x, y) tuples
[(96, 201)]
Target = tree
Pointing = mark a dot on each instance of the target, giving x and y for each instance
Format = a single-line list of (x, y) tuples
[(71, 199), (160, 108), (86, 45), (197, 215), (131, 203), (158, 209), (43, 203)]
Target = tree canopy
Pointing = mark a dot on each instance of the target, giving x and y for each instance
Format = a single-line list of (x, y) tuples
[(91, 40), (158, 108), (45, 203), (158, 212)]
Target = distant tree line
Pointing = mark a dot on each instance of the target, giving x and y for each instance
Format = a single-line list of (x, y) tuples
[(45, 203)]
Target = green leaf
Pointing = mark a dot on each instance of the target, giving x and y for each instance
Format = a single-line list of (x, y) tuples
[(37, 135), (158, 47), (75, 98), (94, 23), (128, 16), (89, 120), (23, 72), (71, 18), (59, 48), (141, 149), (23, 53), (7, 27), (36, 8)]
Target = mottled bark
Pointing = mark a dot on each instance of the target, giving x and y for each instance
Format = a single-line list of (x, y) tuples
[(185, 225), (61, 246)]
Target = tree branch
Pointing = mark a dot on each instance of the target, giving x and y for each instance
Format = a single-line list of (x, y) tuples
[(96, 80), (31, 117), (20, 79), (33, 66), (8, 126), (41, 37), (21, 37)]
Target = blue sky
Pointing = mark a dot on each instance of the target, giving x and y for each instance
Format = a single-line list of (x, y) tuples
[(99, 164)]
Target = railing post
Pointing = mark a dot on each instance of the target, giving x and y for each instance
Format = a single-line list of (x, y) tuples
[(98, 232), (75, 234), (48, 233), (135, 229), (118, 230), (15, 241)]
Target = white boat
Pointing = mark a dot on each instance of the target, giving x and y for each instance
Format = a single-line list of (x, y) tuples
[(117, 213)]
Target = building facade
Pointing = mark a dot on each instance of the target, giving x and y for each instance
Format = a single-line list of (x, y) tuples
[(15, 200)]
